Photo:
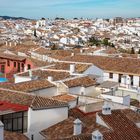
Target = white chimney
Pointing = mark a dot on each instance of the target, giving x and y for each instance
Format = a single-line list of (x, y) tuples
[(72, 54), (6, 43), (83, 90), (81, 50), (96, 135), (106, 109), (1, 131), (50, 78), (15, 43), (77, 127), (72, 68), (10, 44), (30, 73)]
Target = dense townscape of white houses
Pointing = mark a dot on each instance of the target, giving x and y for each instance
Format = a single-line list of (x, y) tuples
[(55, 85)]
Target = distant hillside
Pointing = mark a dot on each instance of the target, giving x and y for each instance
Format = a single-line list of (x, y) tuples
[(14, 18)]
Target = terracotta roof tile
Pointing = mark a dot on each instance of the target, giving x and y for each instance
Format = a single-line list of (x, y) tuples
[(13, 57), (43, 74), (65, 98), (80, 81), (66, 66), (14, 136), (35, 102), (30, 86), (120, 127), (119, 65)]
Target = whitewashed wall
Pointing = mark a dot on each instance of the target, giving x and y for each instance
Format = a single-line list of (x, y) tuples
[(77, 90), (42, 119), (72, 104), (48, 92), (122, 100), (19, 79), (94, 70)]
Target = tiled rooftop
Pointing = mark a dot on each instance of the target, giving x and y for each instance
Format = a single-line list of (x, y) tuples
[(43, 74), (30, 86), (113, 64), (80, 81), (79, 68), (64, 97), (120, 127), (35, 102)]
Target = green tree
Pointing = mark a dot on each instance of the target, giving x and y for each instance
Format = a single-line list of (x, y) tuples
[(105, 42)]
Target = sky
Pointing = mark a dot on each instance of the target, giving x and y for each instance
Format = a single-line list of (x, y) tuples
[(70, 8)]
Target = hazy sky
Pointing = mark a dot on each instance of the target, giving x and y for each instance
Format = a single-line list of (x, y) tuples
[(70, 8)]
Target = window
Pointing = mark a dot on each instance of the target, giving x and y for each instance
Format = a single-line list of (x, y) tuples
[(18, 67), (2, 68), (8, 63), (111, 75), (15, 122), (15, 64), (22, 65), (120, 77), (28, 66), (131, 78)]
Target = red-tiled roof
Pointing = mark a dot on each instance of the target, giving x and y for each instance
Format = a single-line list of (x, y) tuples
[(35, 102), (120, 127), (6, 106), (30, 86), (11, 57), (64, 98), (113, 64), (80, 81), (14, 136)]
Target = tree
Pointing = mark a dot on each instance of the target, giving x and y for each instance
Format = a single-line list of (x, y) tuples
[(139, 51), (35, 33), (132, 51), (105, 42), (112, 45), (75, 18)]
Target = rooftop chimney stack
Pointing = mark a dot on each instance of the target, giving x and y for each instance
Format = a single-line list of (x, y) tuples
[(106, 109), (15, 43), (96, 135), (72, 68), (6, 43), (10, 44), (81, 50), (72, 54), (77, 127), (1, 131), (30, 73), (83, 90), (50, 78)]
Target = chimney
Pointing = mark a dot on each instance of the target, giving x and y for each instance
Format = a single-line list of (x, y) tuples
[(77, 127), (50, 78), (82, 90), (72, 68), (72, 54), (6, 43), (106, 109), (1, 131), (96, 135), (81, 50), (30, 73), (15, 43), (10, 44)]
